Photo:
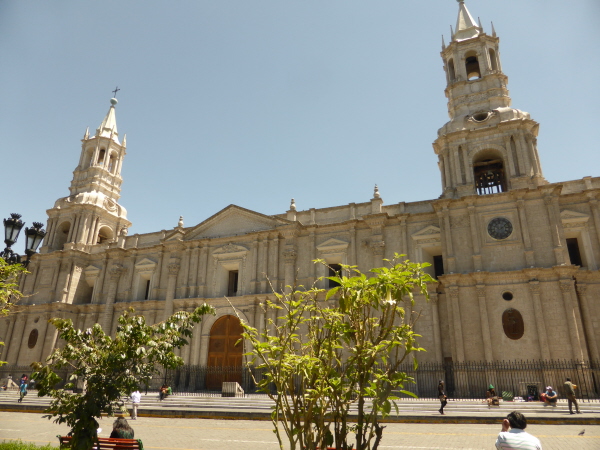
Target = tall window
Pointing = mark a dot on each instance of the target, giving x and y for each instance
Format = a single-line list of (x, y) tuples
[(489, 176), (472, 66), (232, 285), (438, 266), (574, 253), (335, 270)]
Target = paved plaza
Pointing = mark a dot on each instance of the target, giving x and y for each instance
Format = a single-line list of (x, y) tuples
[(205, 434)]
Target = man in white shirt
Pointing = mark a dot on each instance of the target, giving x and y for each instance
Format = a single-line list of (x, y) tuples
[(136, 398), (513, 436)]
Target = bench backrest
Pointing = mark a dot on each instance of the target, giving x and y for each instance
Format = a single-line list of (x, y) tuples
[(107, 443)]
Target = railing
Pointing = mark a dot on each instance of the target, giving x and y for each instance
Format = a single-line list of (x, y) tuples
[(466, 380)]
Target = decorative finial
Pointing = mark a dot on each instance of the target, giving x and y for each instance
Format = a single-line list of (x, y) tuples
[(87, 133), (451, 33), (180, 223), (293, 205), (113, 101), (376, 192), (443, 43), (115, 92), (479, 22), (493, 30)]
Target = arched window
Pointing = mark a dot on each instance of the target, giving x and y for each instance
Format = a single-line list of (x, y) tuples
[(89, 158), (111, 163), (472, 66), (493, 59), (451, 73), (62, 234), (105, 234), (488, 171), (101, 157)]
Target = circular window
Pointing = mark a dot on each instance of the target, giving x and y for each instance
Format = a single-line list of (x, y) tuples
[(481, 117), (507, 296), (33, 337), (500, 228), (513, 325)]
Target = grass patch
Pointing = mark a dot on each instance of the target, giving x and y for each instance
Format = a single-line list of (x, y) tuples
[(20, 445)]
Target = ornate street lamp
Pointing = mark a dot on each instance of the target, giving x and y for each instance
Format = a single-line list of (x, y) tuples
[(34, 236)]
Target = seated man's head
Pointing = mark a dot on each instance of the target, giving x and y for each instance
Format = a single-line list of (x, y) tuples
[(517, 420)]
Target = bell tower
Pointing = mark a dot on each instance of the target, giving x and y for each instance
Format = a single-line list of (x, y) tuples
[(91, 214), (487, 147)]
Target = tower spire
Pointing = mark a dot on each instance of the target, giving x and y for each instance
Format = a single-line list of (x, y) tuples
[(108, 127), (466, 27)]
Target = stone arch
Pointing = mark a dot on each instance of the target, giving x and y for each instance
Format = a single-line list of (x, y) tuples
[(112, 162), (88, 160), (105, 235), (62, 234), (472, 67), (489, 171)]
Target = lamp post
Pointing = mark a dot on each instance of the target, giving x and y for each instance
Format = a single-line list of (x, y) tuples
[(33, 235)]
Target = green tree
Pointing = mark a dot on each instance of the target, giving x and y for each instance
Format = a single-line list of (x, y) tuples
[(109, 368), (328, 353), (9, 292)]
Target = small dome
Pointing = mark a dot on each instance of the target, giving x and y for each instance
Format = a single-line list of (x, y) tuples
[(113, 101)]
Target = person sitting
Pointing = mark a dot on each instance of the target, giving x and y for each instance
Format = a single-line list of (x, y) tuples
[(551, 396), (164, 391), (121, 429), (492, 398)]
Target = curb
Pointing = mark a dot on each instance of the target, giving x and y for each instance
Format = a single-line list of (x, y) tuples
[(266, 416)]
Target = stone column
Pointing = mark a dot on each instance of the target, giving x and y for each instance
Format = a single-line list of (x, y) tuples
[(289, 257), (171, 284), (196, 337), (529, 256), (558, 249), (595, 213), (458, 335), (446, 233), (571, 317), (437, 333), (106, 321), (51, 338), (42, 336), (475, 237), (4, 349), (312, 247), (263, 263), (534, 288), (588, 323), (17, 340), (254, 284), (484, 320)]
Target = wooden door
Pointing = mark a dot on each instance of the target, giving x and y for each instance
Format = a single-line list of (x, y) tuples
[(224, 352)]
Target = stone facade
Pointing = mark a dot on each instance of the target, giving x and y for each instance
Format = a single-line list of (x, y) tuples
[(516, 257)]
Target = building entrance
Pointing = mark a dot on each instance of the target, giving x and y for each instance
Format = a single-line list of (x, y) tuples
[(224, 352)]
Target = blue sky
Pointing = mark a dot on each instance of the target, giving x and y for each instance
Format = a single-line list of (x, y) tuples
[(253, 102)]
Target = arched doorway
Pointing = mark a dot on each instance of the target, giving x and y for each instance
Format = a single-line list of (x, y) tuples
[(225, 352)]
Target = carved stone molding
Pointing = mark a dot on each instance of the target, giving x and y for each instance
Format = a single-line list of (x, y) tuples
[(452, 292), (116, 271), (534, 287), (174, 268), (377, 247), (480, 291), (289, 255), (581, 288), (566, 286)]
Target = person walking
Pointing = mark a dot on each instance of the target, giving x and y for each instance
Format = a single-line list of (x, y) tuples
[(570, 392), (22, 391), (442, 396), (514, 437), (136, 398)]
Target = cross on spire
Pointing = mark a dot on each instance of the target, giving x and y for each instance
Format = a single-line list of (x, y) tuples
[(115, 92)]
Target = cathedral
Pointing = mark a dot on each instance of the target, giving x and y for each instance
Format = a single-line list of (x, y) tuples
[(515, 257)]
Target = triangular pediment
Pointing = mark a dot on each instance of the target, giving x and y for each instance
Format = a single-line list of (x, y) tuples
[(332, 244), (427, 232), (145, 265), (175, 235), (573, 216), (233, 221)]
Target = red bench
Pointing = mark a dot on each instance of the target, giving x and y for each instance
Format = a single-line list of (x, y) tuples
[(106, 443)]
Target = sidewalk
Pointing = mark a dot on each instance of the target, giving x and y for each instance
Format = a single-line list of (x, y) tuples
[(258, 407)]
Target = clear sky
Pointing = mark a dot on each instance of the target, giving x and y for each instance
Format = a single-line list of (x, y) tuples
[(253, 102)]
